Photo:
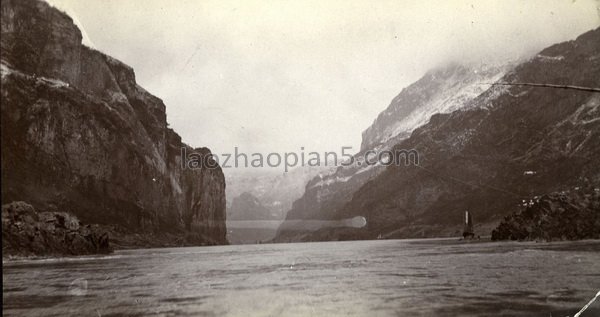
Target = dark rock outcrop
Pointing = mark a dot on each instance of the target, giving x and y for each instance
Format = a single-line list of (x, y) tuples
[(80, 135), (28, 232), (572, 215)]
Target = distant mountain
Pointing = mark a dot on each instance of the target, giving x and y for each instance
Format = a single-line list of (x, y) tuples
[(274, 189), (264, 195), (441, 90), (80, 136), (248, 207), (510, 144), (248, 220)]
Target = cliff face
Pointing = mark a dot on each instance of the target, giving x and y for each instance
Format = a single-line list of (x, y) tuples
[(79, 134), (441, 90), (512, 144)]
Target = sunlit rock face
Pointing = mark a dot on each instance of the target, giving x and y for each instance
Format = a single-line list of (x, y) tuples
[(79, 134), (508, 144)]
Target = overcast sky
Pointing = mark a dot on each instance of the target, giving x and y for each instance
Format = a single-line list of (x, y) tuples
[(272, 76)]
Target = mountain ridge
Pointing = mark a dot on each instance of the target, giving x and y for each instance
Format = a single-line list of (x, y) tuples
[(478, 158), (442, 89)]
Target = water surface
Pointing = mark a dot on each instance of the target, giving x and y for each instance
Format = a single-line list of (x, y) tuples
[(362, 278)]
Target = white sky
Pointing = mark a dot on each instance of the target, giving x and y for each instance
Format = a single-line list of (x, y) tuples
[(272, 76)]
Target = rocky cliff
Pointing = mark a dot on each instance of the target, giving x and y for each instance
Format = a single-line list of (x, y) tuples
[(80, 135), (510, 144)]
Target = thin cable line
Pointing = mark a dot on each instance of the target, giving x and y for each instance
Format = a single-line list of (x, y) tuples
[(591, 89)]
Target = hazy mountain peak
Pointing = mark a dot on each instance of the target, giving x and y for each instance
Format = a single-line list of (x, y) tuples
[(443, 89)]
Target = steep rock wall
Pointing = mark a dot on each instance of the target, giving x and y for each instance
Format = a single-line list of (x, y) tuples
[(79, 134)]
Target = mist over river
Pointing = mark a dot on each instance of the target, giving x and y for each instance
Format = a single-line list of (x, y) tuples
[(433, 277)]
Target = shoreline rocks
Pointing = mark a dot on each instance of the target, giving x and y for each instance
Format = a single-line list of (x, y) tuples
[(26, 232), (573, 215)]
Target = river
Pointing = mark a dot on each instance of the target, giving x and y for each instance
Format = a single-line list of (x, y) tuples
[(432, 277)]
